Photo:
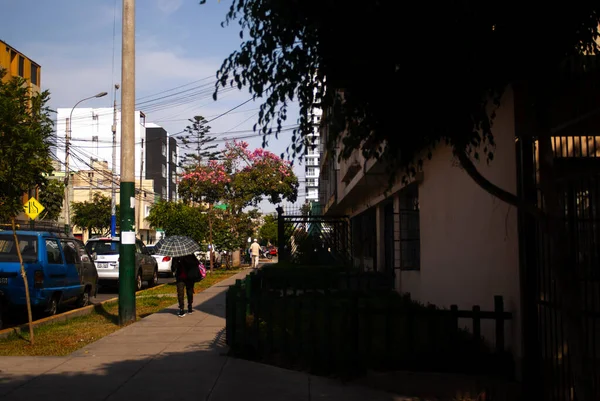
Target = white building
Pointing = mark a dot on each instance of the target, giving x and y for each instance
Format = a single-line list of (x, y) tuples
[(92, 138), (311, 157)]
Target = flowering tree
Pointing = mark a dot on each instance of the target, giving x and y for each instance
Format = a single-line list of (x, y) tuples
[(241, 179)]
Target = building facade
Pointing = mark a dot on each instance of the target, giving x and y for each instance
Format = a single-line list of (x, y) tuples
[(92, 138), (17, 64), (98, 179), (312, 155), (161, 161)]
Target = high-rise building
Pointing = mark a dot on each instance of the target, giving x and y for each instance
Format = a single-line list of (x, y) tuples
[(161, 161), (311, 159)]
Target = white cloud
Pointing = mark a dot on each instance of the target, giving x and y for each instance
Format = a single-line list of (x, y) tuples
[(169, 6)]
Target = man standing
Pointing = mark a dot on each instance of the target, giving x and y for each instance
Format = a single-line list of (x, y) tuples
[(255, 250)]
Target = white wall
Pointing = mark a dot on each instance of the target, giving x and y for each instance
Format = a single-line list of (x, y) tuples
[(469, 239), (84, 127)]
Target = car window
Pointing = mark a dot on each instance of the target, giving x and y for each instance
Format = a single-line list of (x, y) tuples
[(53, 252), (107, 247), (28, 244), (71, 253)]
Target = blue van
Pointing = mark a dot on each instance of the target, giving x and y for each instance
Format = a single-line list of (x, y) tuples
[(59, 271)]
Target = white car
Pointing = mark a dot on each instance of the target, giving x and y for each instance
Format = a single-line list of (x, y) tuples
[(105, 252), (164, 262)]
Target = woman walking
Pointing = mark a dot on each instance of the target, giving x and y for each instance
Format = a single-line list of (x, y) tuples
[(187, 272)]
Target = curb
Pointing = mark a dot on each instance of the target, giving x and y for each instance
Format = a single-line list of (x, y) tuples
[(61, 317)]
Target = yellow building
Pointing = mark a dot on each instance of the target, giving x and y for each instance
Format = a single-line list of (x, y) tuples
[(17, 64), (98, 179)]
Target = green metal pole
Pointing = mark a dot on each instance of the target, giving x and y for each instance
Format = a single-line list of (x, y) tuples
[(127, 255), (127, 268)]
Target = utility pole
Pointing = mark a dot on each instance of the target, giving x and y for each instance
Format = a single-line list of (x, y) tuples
[(113, 206), (67, 176), (127, 269), (139, 222)]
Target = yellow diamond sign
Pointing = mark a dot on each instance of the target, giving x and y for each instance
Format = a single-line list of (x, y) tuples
[(33, 208)]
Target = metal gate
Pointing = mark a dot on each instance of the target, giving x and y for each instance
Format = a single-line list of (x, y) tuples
[(546, 358), (310, 239)]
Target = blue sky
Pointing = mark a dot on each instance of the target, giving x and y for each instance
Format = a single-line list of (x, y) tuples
[(178, 42)]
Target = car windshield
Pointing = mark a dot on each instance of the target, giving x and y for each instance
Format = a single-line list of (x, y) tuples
[(28, 245), (107, 247)]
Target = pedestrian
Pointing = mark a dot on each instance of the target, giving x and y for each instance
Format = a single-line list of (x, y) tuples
[(255, 249), (187, 272)]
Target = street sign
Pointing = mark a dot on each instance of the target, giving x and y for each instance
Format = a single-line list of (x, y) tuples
[(33, 208)]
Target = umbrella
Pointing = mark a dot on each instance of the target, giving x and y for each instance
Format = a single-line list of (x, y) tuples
[(176, 245)]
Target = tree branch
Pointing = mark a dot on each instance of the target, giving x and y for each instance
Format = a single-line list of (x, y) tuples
[(470, 168)]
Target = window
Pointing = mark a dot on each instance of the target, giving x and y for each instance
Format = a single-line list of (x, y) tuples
[(34, 74), (310, 171), (8, 251), (164, 171), (53, 252), (21, 66), (174, 157), (410, 232), (164, 193), (164, 149), (147, 211), (71, 255)]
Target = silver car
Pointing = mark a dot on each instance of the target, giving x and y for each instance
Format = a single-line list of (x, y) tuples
[(105, 252)]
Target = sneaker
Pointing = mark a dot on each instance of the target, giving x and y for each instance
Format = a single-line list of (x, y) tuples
[(190, 310), (181, 313)]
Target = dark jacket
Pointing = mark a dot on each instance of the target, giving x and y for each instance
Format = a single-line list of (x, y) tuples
[(186, 268)]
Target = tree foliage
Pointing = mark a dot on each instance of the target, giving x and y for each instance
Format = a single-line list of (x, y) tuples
[(52, 197), (242, 178), (178, 218), (94, 216), (268, 231), (200, 146), (25, 133), (411, 76)]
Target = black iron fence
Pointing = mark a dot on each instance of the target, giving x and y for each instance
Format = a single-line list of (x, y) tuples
[(347, 322)]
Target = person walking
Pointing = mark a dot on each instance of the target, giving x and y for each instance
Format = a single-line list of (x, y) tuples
[(187, 272), (255, 250)]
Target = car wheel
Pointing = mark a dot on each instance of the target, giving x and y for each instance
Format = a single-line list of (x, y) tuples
[(84, 299), (52, 306), (154, 281), (138, 281)]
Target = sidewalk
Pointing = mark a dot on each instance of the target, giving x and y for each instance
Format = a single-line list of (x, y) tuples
[(163, 357)]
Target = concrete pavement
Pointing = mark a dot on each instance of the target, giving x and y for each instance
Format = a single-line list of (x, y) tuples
[(163, 357)]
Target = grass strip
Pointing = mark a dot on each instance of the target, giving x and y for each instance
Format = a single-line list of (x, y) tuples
[(63, 338)]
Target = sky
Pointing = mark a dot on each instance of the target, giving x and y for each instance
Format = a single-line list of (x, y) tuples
[(180, 45)]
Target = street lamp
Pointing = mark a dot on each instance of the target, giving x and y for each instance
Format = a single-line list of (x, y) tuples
[(67, 143)]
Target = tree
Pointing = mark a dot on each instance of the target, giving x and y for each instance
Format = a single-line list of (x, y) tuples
[(268, 231), (241, 179), (25, 133), (93, 216), (177, 218), (447, 82), (196, 139), (52, 197)]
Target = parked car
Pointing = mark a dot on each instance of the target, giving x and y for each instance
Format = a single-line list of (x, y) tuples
[(59, 272), (164, 262), (105, 252)]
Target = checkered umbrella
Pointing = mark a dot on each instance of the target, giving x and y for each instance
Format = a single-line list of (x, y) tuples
[(176, 245)]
